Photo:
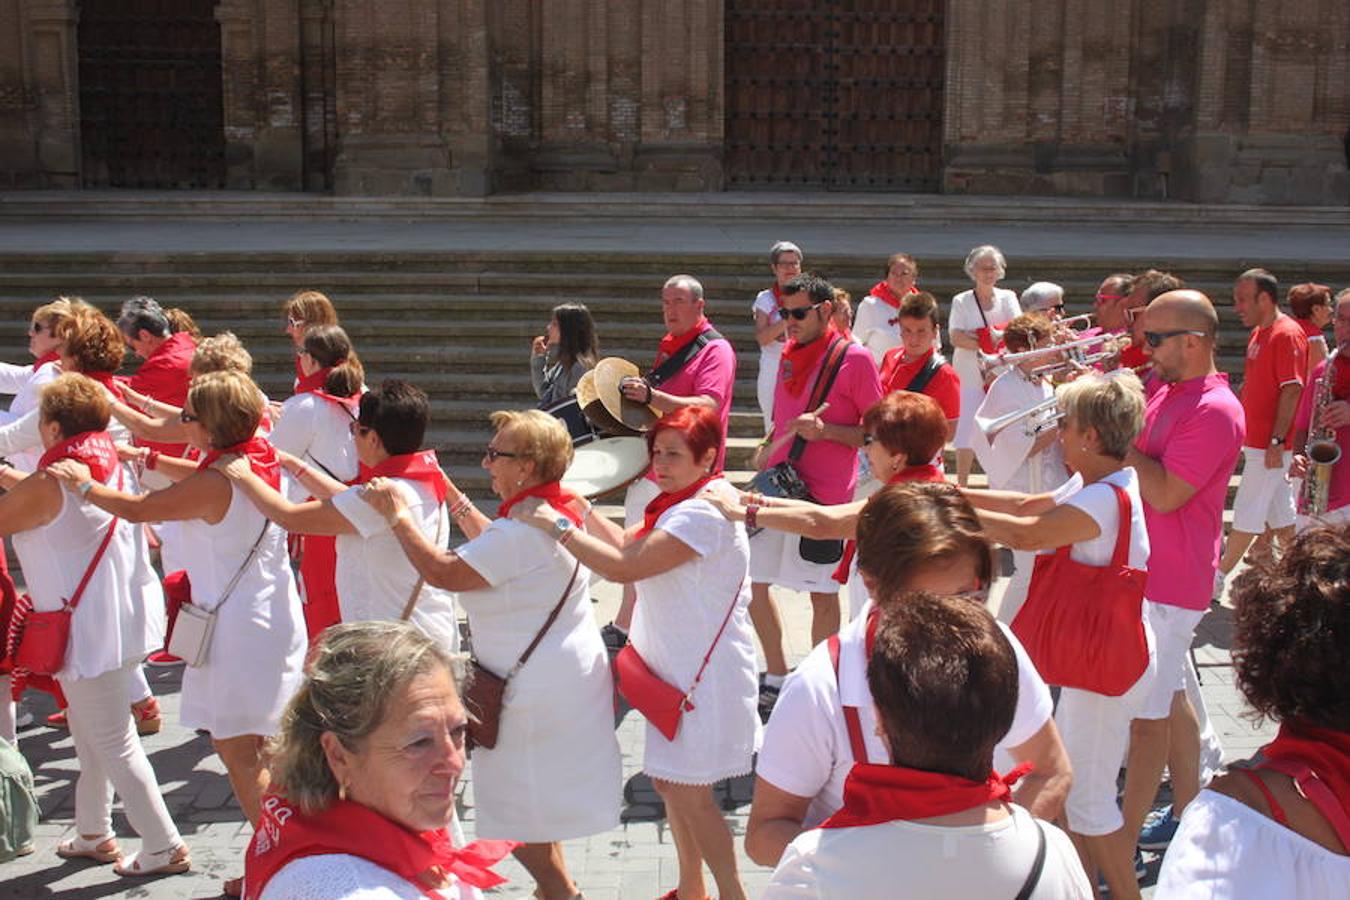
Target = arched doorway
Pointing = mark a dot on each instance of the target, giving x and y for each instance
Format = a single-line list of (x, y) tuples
[(837, 94), (151, 113)]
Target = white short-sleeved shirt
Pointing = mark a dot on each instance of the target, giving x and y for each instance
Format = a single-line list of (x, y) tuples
[(1225, 850), (965, 316), (767, 303), (907, 859), (374, 577), (872, 326), (806, 748), (1005, 458), (1099, 502), (319, 431)]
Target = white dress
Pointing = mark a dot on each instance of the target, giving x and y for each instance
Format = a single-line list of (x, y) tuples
[(769, 357), (253, 665), (120, 616), (676, 618), (375, 578), (965, 316), (558, 709)]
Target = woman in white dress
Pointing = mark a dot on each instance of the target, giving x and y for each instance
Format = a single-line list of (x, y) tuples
[(976, 326), (237, 565), (558, 707), (785, 261), (77, 552), (689, 565), (1102, 417)]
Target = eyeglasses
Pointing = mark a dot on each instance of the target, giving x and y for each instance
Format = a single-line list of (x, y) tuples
[(294, 323), (1155, 338), (356, 428), (493, 454), (799, 313), (868, 439), (1056, 307), (186, 417)]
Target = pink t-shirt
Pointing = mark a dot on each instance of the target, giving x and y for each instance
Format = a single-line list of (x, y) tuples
[(829, 469), (1194, 429), (1339, 493), (711, 373)]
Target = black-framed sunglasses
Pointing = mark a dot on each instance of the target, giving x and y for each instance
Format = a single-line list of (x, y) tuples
[(185, 417), (1156, 338), (799, 313), (493, 454)]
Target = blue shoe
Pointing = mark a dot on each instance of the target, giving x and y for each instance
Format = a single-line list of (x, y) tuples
[(1159, 829), (1139, 871)]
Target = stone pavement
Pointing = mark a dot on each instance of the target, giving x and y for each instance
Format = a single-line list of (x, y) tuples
[(636, 860)]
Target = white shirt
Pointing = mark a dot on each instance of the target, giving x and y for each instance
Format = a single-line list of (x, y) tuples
[(318, 430), (25, 383), (906, 859), (1099, 502), (1225, 850), (340, 876), (375, 578), (1006, 457), (872, 326), (806, 744), (965, 316), (766, 303)]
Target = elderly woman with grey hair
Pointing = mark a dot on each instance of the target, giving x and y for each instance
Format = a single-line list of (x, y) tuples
[(976, 326), (364, 774), (1044, 297)]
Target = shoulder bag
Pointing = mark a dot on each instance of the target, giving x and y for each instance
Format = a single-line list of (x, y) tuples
[(660, 702), (192, 630), (1083, 625), (485, 695), (673, 364)]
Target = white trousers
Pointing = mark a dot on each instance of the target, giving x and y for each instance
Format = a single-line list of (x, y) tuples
[(111, 758)]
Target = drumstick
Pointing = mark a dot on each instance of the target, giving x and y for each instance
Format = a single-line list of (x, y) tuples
[(774, 447)]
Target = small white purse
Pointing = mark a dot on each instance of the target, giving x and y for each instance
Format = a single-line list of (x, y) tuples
[(190, 639)]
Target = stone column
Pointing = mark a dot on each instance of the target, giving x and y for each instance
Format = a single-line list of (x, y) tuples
[(260, 71), (681, 119), (39, 94)]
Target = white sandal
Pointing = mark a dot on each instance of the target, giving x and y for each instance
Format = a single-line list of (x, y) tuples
[(80, 848), (142, 864)]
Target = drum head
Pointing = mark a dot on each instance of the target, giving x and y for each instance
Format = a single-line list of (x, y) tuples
[(606, 465)]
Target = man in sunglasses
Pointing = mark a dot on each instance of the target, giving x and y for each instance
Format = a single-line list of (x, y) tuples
[(829, 426), (1193, 430)]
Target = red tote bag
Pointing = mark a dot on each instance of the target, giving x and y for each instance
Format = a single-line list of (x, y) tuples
[(1083, 626)]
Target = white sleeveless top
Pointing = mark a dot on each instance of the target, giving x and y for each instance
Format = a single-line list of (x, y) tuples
[(120, 616)]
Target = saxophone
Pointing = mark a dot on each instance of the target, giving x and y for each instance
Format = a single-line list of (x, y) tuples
[(1322, 450)]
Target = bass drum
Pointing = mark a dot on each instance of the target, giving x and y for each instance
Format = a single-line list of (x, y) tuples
[(606, 465), (574, 420)]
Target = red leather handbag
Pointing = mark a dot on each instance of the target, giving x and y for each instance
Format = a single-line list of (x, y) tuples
[(1083, 626), (661, 703)]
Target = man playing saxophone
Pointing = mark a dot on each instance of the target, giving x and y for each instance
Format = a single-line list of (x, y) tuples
[(1321, 430)]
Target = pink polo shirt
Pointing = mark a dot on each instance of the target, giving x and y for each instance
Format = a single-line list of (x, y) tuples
[(830, 469), (711, 373), (1194, 429)]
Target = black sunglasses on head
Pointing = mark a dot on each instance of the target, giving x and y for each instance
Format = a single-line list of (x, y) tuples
[(799, 313)]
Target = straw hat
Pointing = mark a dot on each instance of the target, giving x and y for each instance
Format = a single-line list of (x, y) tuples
[(604, 404)]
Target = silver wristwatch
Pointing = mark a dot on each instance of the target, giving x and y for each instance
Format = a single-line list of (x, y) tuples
[(561, 526)]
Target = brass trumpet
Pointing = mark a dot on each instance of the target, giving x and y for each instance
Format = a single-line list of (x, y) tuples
[(1000, 362), (1040, 417)]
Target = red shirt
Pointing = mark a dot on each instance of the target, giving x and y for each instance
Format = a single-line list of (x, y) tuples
[(1276, 355), (944, 387), (1339, 494), (1310, 329), (164, 377)]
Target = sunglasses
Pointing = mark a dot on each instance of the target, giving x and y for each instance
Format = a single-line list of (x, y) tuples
[(799, 313), (493, 454), (1156, 338), (186, 417)]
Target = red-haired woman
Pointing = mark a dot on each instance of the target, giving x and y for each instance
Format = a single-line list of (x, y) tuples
[(689, 565)]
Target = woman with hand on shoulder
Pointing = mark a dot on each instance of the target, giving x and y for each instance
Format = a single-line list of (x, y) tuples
[(237, 565), (1102, 417), (364, 777), (560, 357), (689, 565), (558, 708), (70, 551)]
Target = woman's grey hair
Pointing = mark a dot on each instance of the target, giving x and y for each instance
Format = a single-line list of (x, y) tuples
[(688, 283), (979, 253), (143, 313), (1112, 404), (782, 247), (1041, 295), (354, 671)]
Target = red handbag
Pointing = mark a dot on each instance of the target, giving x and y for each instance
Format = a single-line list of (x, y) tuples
[(1083, 626), (661, 703)]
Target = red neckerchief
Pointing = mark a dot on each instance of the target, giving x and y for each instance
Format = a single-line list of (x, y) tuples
[(552, 493), (799, 360), (262, 458), (351, 404), (285, 834), (420, 466), (307, 384), (777, 294), (664, 501), (876, 794), (49, 356), (1133, 356), (105, 379), (894, 366), (883, 291), (674, 343), (927, 472), (1324, 751), (93, 448)]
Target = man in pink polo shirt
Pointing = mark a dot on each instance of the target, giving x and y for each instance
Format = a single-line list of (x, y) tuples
[(694, 366), (828, 465), (1193, 429)]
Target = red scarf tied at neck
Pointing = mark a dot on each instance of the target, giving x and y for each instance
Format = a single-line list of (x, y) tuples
[(664, 501), (285, 834), (306, 384), (93, 448), (926, 472), (106, 379), (799, 360), (882, 291), (262, 458), (420, 466), (49, 356), (551, 492), (674, 343), (876, 794), (1325, 752)]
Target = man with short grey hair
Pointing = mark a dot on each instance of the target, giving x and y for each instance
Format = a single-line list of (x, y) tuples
[(163, 374)]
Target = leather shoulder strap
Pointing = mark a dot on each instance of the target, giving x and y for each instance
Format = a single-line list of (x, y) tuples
[(675, 363), (1037, 866), (829, 371), (925, 375), (421, 579), (852, 719), (552, 616), (74, 600)]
